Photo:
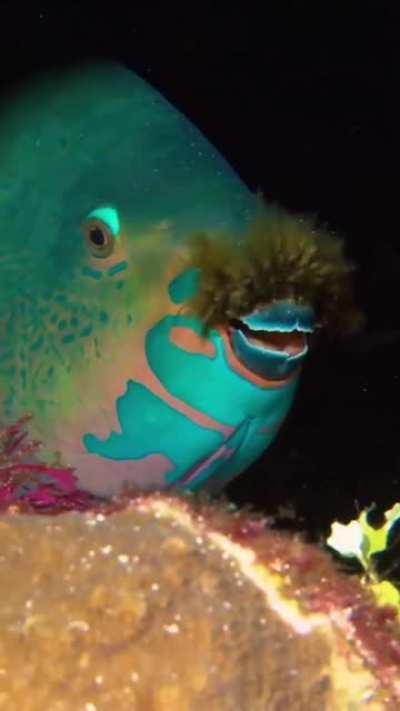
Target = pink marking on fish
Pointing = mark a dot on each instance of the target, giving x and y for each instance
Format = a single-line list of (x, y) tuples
[(188, 340), (146, 376), (105, 476), (268, 429), (97, 413), (223, 452)]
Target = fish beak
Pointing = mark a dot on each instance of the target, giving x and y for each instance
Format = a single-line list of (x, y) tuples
[(272, 341)]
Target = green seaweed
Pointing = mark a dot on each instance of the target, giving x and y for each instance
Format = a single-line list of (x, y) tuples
[(280, 256)]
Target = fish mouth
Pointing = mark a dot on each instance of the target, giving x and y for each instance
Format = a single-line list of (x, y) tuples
[(272, 341)]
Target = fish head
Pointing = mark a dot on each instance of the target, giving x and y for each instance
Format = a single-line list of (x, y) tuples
[(149, 320)]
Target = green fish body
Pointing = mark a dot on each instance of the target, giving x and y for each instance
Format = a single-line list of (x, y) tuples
[(102, 185)]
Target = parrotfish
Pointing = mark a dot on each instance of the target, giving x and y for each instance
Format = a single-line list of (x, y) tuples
[(154, 311)]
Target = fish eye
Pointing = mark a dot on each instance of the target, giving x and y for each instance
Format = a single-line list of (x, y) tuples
[(99, 238)]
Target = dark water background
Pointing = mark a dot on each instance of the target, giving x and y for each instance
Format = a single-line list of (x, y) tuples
[(302, 99)]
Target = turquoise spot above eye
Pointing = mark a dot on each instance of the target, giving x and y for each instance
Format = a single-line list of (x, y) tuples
[(109, 216)]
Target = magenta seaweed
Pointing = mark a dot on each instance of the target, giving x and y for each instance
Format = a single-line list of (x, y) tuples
[(37, 484)]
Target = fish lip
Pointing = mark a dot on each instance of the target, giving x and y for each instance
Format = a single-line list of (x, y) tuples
[(272, 341), (283, 342), (283, 316)]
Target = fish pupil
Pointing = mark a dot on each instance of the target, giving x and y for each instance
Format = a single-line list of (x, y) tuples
[(97, 237)]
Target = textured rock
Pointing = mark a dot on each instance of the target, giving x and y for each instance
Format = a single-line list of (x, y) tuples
[(161, 604)]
